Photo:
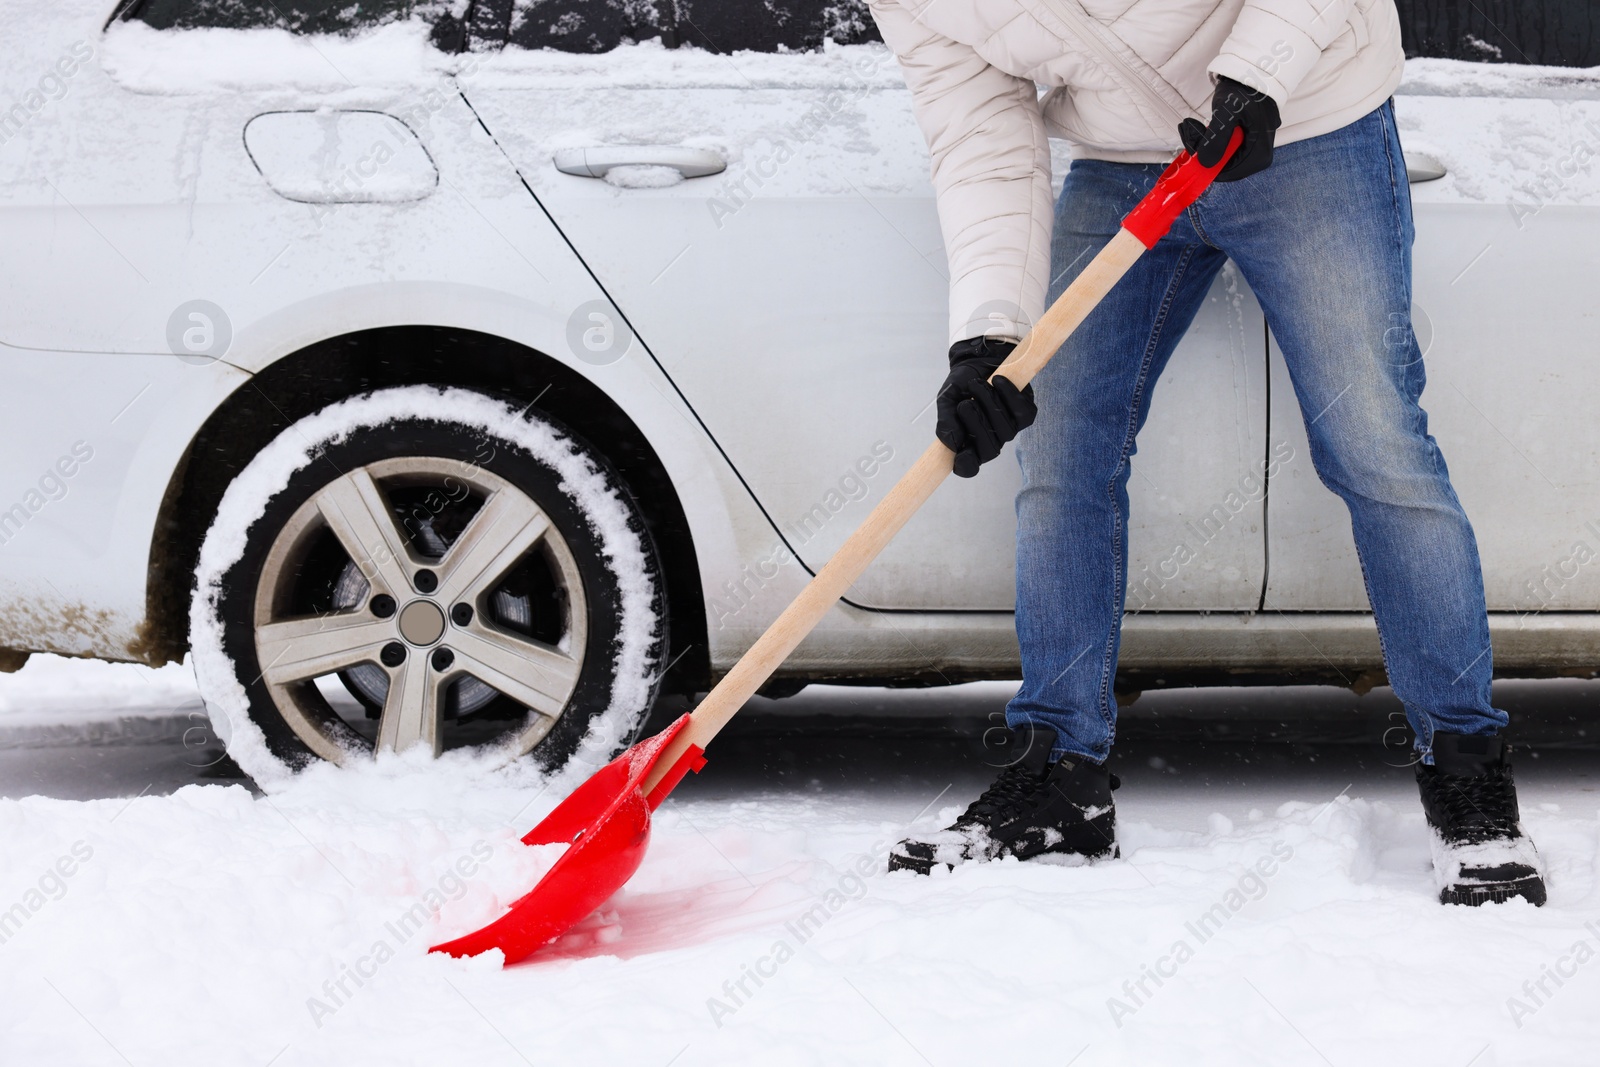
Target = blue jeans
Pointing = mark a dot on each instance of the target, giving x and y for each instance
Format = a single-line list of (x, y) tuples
[(1323, 237)]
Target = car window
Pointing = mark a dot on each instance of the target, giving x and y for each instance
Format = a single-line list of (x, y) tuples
[(1554, 32), (564, 25), (1557, 32), (297, 16), (1561, 33), (714, 25)]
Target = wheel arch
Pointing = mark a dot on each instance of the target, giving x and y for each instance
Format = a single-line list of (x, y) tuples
[(333, 369)]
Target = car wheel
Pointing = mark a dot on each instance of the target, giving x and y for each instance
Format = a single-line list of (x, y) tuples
[(423, 568)]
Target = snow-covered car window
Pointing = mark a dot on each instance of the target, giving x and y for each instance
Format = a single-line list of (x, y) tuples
[(714, 25), (585, 26), (1556, 32), (297, 16)]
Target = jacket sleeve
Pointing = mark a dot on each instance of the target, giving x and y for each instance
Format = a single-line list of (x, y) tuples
[(1275, 43), (991, 175)]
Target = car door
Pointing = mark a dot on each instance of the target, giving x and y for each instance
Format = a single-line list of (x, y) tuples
[(1505, 263), (766, 226)]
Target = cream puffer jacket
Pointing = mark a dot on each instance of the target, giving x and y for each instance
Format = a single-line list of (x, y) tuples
[(1120, 75)]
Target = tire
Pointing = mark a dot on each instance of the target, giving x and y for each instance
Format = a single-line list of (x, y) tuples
[(425, 568)]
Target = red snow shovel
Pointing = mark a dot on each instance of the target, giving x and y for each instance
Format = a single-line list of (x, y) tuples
[(606, 821)]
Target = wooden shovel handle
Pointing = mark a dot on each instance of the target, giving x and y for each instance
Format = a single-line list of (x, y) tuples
[(1183, 181)]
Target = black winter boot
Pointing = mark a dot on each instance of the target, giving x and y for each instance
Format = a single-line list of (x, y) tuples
[(1479, 851), (1035, 808)]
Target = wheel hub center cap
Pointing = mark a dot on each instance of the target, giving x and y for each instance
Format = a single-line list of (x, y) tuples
[(421, 622)]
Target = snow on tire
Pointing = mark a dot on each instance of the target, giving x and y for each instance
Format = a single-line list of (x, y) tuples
[(422, 567)]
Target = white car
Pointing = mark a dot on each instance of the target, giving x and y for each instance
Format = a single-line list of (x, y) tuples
[(432, 387)]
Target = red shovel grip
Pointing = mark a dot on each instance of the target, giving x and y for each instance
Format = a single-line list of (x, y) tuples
[(1179, 186)]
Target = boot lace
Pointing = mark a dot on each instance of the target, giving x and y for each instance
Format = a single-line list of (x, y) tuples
[(1009, 793), (1477, 807)]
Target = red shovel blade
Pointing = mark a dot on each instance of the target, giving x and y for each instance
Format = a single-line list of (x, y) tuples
[(607, 822)]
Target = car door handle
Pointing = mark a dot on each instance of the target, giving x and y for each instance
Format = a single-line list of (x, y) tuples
[(1421, 167), (595, 162)]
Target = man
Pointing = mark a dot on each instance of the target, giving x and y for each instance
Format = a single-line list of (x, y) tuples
[(1315, 212)]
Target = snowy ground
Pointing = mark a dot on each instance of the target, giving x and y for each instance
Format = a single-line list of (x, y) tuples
[(1273, 905)]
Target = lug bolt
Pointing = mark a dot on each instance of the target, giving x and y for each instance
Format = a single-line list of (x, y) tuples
[(426, 581), (442, 658), (461, 614), (393, 654), (382, 605)]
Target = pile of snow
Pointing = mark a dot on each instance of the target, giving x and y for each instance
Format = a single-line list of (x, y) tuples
[(643, 176), (213, 927), (184, 62), (650, 65), (237, 912), (1458, 77), (398, 54), (54, 691)]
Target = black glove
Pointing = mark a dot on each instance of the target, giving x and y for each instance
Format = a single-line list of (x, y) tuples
[(1234, 106), (976, 419)]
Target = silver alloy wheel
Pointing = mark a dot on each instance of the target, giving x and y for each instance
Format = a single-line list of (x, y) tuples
[(420, 638)]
